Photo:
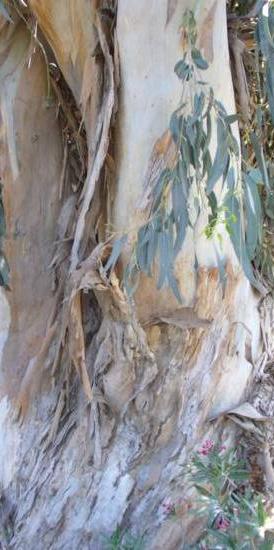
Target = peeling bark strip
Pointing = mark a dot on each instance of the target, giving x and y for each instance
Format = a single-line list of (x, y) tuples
[(108, 451), (77, 343), (102, 131)]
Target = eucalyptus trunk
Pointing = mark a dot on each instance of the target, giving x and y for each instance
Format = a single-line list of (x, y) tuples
[(103, 399)]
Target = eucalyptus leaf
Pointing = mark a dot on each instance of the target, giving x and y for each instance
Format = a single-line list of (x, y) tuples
[(164, 264), (190, 131), (233, 144), (208, 133), (178, 199), (265, 38), (212, 200), (181, 170), (231, 179), (260, 158), (152, 250), (271, 19), (238, 240), (181, 227), (218, 167), (143, 235), (220, 108), (201, 137), (116, 251), (174, 286), (269, 205), (270, 86), (254, 216), (186, 152), (207, 164), (199, 103), (131, 279), (198, 59), (221, 157), (141, 256), (182, 69), (175, 127)]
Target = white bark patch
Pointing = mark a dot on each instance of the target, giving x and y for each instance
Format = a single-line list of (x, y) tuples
[(114, 492), (10, 441), (150, 92), (4, 321)]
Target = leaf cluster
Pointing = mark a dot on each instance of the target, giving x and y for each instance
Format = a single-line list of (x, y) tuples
[(191, 126)]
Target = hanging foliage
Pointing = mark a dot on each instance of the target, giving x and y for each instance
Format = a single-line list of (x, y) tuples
[(195, 173), (252, 26)]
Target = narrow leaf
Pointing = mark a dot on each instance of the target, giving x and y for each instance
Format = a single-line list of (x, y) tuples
[(199, 61), (116, 251), (174, 287), (260, 158), (182, 69)]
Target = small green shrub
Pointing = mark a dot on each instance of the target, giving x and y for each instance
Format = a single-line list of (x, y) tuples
[(234, 513)]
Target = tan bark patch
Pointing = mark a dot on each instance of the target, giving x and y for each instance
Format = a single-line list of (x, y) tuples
[(206, 33)]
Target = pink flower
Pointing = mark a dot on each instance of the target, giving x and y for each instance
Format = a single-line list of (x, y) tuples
[(222, 448), (207, 447), (222, 523)]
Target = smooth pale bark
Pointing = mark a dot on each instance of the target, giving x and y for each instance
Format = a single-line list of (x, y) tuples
[(161, 382)]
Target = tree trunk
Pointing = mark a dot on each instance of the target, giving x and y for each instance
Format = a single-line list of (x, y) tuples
[(102, 399)]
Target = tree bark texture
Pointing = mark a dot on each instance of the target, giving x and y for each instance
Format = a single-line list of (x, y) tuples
[(111, 399)]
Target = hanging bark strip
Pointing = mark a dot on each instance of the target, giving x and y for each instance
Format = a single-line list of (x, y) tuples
[(95, 167)]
